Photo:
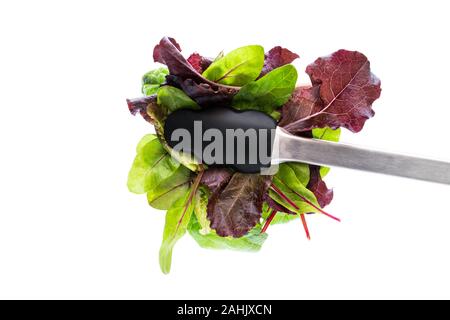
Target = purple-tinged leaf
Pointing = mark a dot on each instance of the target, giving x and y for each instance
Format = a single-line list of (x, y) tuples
[(276, 206), (203, 93), (141, 104), (346, 91), (198, 62), (161, 47), (168, 52), (216, 178), (236, 209), (303, 102), (319, 187), (277, 57), (185, 75)]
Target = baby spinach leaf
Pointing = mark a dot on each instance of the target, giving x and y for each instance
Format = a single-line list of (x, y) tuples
[(173, 99), (177, 220), (238, 67), (252, 241), (151, 165), (164, 194), (269, 92), (152, 80)]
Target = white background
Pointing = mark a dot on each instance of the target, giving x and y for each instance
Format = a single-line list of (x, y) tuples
[(70, 229)]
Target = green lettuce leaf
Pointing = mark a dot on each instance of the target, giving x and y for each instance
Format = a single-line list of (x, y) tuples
[(152, 80), (269, 92), (174, 229), (238, 67), (252, 241)]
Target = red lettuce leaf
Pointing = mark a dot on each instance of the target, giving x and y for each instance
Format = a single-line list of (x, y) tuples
[(168, 52), (141, 104), (342, 94), (198, 62), (203, 93), (161, 47), (277, 57), (185, 76), (236, 209), (303, 102), (216, 178), (319, 187)]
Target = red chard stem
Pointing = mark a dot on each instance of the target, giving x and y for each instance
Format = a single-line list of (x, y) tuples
[(305, 226), (269, 220)]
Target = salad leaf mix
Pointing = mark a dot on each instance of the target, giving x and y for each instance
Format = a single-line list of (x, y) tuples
[(220, 208)]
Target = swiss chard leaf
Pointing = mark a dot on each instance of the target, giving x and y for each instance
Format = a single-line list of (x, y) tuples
[(269, 92), (177, 220), (252, 241), (280, 217), (238, 67), (152, 80), (343, 90), (302, 175), (275, 206), (236, 209), (277, 57), (292, 186), (167, 191)]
